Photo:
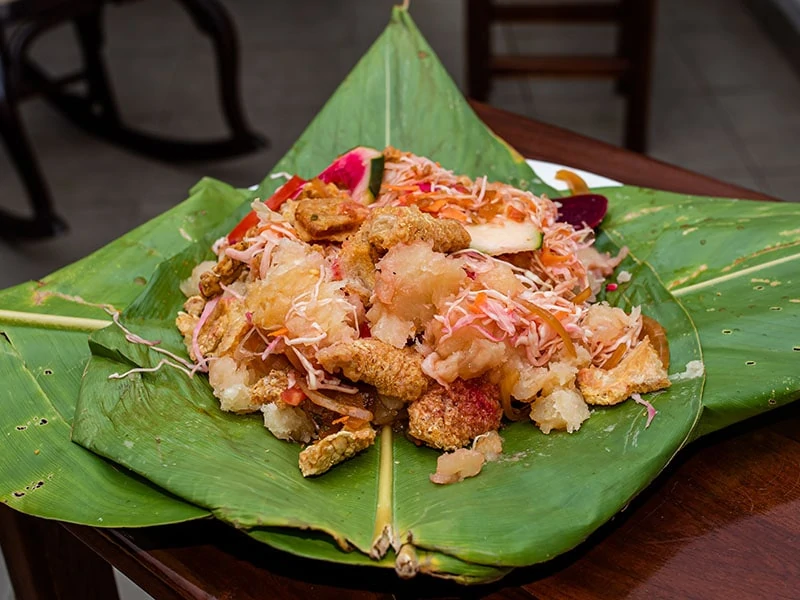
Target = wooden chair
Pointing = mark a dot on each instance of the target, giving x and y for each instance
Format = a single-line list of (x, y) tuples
[(95, 111), (630, 66)]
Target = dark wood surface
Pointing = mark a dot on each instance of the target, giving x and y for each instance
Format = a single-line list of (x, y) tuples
[(723, 521)]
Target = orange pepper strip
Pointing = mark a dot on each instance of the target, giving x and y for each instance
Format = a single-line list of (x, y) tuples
[(556, 325), (549, 259), (583, 296), (614, 359), (574, 182), (658, 338)]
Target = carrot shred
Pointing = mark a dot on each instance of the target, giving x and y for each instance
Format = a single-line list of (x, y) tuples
[(343, 419), (450, 212), (479, 302), (515, 214), (433, 207), (400, 188), (277, 332)]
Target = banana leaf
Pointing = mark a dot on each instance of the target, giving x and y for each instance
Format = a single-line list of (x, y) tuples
[(411, 103), (168, 428), (42, 359), (734, 265)]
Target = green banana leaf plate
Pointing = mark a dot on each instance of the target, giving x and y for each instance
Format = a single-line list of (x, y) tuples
[(719, 274)]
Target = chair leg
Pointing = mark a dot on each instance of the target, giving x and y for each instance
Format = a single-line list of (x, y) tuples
[(91, 38), (213, 20), (642, 13), (625, 31), (478, 49), (44, 222)]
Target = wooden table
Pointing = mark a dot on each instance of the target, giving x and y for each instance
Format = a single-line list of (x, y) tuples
[(723, 521)]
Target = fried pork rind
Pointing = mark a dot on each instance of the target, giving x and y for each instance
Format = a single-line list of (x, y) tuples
[(269, 388), (225, 272), (393, 371), (450, 418), (392, 225), (639, 372), (327, 219), (335, 448), (221, 334)]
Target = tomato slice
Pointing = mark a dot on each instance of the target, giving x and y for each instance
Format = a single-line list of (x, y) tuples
[(286, 191), (293, 396), (282, 194)]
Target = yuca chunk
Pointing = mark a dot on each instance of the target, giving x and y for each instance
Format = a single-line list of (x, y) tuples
[(335, 448), (562, 409), (331, 219), (640, 371), (450, 418), (453, 467), (413, 281), (393, 371), (230, 383), (387, 227), (288, 423)]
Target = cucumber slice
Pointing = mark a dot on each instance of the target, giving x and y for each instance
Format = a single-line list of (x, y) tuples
[(504, 237)]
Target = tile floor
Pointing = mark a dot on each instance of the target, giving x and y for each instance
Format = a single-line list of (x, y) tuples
[(725, 102)]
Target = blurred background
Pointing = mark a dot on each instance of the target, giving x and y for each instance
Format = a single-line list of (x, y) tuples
[(724, 99)]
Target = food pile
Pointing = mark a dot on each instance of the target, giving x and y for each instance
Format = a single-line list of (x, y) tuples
[(389, 291)]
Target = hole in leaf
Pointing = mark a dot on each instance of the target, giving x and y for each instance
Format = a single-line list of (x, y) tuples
[(796, 348), (48, 371), (21, 427), (19, 494), (750, 363), (772, 402), (727, 331), (759, 287), (43, 422), (775, 308)]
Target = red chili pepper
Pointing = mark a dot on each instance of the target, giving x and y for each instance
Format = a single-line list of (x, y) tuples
[(293, 396), (286, 191), (282, 194), (611, 287)]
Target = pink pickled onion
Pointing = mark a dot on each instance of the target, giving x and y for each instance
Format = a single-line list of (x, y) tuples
[(198, 355), (651, 412)]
